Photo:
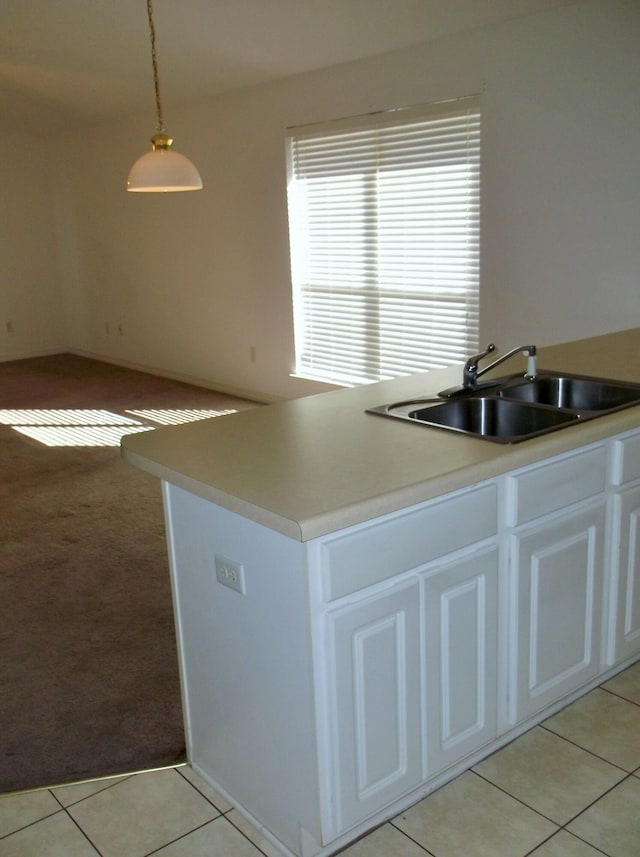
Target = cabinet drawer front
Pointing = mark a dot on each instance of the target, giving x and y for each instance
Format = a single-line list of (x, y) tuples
[(390, 546), (556, 484), (626, 459)]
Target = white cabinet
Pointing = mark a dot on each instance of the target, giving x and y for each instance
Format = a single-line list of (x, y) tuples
[(624, 620), (407, 609), (557, 568), (376, 701), (412, 681), (460, 600), (625, 627), (361, 668), (555, 550)]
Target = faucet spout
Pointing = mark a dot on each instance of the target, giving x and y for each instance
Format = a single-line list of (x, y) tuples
[(471, 373), (529, 350)]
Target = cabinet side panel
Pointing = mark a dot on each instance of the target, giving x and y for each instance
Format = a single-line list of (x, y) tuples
[(246, 659)]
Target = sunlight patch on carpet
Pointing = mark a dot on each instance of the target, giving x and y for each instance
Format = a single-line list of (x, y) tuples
[(174, 417), (79, 435), (95, 427), (62, 417)]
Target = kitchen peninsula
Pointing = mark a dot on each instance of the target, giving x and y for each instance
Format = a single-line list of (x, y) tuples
[(365, 607)]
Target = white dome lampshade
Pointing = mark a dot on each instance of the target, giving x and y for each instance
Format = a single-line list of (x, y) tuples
[(162, 170)]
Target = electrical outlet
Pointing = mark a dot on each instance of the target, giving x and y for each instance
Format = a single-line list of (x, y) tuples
[(230, 574), (10, 328)]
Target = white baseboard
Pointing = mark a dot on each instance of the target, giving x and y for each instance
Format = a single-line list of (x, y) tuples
[(251, 395), (8, 357)]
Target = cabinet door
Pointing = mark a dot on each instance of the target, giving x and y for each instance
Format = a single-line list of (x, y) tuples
[(556, 571), (460, 657), (376, 708), (626, 564)]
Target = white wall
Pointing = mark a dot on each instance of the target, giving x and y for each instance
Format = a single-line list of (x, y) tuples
[(196, 280), (32, 314)]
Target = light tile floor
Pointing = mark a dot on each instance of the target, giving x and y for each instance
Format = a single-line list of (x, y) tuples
[(567, 788)]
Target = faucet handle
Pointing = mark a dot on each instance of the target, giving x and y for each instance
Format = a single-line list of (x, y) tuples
[(470, 371), (473, 361), (469, 375)]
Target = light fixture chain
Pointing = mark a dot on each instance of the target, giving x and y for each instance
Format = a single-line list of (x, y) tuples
[(154, 62), (161, 170)]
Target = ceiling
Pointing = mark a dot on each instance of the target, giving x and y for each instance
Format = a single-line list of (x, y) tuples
[(68, 61)]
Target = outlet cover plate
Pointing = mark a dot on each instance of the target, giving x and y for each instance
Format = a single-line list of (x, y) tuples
[(230, 573)]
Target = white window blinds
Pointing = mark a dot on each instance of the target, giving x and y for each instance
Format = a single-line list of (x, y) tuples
[(384, 225)]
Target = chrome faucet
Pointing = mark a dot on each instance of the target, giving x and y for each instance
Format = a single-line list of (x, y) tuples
[(529, 350), (471, 373)]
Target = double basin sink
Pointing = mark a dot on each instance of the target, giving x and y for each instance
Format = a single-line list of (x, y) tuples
[(513, 409)]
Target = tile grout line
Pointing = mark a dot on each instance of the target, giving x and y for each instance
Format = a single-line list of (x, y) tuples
[(617, 695), (83, 832), (544, 842), (242, 833), (196, 789), (183, 835), (563, 826), (65, 809), (410, 838), (222, 814), (569, 833), (585, 749), (560, 826), (62, 810), (519, 800), (93, 794), (32, 823)]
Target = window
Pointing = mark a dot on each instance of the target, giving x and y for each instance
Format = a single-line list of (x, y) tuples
[(384, 223)]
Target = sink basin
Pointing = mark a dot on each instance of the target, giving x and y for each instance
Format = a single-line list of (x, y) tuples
[(574, 393), (513, 408), (493, 418)]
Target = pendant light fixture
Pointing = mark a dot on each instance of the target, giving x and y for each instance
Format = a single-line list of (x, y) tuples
[(161, 170)]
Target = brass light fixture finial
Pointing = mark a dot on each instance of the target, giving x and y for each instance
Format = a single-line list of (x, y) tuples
[(162, 170)]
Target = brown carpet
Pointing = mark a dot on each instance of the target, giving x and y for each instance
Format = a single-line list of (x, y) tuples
[(89, 682)]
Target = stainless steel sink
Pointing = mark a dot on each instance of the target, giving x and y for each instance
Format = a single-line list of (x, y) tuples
[(493, 418), (574, 393), (513, 409)]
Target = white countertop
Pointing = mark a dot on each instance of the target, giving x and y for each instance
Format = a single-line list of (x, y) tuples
[(310, 466)]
